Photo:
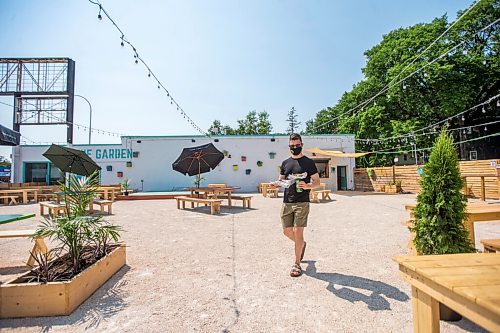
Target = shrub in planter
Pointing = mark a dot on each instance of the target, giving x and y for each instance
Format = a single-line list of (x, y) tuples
[(441, 207)]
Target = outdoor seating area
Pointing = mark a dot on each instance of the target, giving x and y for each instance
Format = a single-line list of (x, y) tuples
[(252, 167), (353, 279)]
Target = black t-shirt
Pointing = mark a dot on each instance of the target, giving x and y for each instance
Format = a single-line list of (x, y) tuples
[(295, 166)]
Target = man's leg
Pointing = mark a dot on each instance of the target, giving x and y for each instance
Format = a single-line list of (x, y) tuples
[(289, 232), (299, 243)]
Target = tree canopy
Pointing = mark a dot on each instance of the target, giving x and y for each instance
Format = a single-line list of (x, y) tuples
[(458, 79), (253, 123)]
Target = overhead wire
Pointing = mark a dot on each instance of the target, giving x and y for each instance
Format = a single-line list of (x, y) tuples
[(387, 87)]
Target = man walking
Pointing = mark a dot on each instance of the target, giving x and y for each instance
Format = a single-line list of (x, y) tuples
[(295, 207)]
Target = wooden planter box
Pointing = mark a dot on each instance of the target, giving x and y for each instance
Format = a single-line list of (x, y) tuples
[(58, 298), (392, 188)]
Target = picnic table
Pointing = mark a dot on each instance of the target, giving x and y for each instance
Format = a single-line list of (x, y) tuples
[(23, 191), (215, 191), (483, 188), (108, 192), (477, 212), (466, 283)]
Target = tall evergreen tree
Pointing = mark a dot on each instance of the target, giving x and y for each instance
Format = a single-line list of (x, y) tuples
[(293, 123), (441, 208)]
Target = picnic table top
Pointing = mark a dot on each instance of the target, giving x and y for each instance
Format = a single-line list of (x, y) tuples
[(212, 189), (472, 277)]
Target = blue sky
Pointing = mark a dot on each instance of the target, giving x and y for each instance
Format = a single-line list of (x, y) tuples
[(219, 59)]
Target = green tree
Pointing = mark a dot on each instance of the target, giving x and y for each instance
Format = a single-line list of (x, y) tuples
[(216, 128), (4, 162), (293, 123), (264, 125), (441, 208), (463, 78)]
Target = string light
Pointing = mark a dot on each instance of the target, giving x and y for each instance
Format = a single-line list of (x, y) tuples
[(99, 16), (483, 110), (391, 84), (138, 58)]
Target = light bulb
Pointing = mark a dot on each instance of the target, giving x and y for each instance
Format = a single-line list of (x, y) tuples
[(136, 61), (483, 110), (158, 86), (149, 74), (485, 128), (122, 44), (463, 118)]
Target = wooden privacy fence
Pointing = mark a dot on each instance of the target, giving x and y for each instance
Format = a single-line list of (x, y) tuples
[(410, 179)]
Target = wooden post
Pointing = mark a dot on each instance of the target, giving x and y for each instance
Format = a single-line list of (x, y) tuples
[(425, 312), (394, 174), (483, 190)]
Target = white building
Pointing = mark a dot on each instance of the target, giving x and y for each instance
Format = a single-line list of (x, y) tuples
[(147, 161)]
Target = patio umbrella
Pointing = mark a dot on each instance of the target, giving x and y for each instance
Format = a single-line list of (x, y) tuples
[(198, 160), (71, 160), (9, 137)]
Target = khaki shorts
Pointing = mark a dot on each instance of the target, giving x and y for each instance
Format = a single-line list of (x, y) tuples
[(294, 214)]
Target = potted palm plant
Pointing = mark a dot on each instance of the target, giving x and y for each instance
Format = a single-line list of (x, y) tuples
[(441, 208), (86, 255), (125, 185)]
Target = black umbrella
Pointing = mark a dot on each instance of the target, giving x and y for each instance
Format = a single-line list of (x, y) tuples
[(198, 160), (71, 160), (9, 137)]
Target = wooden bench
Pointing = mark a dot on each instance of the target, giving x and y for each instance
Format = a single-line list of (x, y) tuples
[(39, 246), (55, 209), (102, 204), (491, 245), (216, 185), (9, 199), (47, 197), (214, 203), (272, 192), (246, 199)]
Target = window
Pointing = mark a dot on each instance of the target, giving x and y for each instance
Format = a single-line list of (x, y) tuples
[(323, 169), (36, 172), (405, 157)]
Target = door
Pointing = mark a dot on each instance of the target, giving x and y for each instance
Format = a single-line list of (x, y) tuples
[(342, 178)]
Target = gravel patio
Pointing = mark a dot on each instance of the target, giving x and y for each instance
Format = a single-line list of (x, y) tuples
[(189, 271)]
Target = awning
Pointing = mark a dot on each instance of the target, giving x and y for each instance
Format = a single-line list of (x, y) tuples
[(9, 137), (334, 153)]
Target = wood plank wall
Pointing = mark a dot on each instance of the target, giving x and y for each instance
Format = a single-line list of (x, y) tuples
[(410, 178)]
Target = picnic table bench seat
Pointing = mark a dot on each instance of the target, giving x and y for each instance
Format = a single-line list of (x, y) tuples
[(214, 203), (39, 246), (9, 199), (272, 192), (245, 199), (491, 245), (325, 194), (102, 203), (55, 209)]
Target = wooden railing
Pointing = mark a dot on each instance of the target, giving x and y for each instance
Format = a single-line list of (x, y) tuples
[(410, 179)]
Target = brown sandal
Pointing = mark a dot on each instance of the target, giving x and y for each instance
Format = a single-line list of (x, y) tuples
[(296, 271)]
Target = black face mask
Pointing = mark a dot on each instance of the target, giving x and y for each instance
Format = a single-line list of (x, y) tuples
[(295, 150)]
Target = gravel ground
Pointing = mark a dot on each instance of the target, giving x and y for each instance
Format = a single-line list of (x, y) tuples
[(189, 271)]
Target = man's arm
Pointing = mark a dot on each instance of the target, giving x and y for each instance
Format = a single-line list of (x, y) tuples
[(315, 182)]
